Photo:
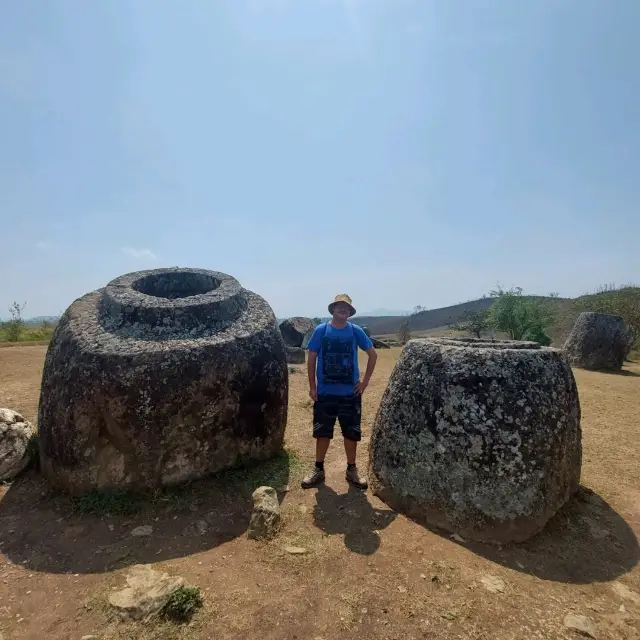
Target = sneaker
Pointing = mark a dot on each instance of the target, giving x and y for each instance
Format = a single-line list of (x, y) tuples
[(315, 478), (354, 478)]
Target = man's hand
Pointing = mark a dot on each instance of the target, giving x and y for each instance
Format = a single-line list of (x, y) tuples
[(313, 393), (361, 387)]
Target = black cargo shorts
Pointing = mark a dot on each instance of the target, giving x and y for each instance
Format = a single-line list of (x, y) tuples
[(346, 409)]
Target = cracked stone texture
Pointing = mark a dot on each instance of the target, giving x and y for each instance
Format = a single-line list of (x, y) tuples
[(294, 330), (265, 517), (598, 341), (161, 377), (478, 437), (15, 434), (295, 355)]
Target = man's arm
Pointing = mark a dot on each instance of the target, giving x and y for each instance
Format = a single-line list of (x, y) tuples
[(371, 365), (311, 372)]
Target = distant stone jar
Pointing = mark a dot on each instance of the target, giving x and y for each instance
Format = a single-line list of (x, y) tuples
[(481, 438), (161, 377), (294, 330), (598, 341)]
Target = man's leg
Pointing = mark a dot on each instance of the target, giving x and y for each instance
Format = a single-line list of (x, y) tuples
[(324, 419), (350, 417)]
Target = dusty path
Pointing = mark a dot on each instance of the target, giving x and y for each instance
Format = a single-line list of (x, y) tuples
[(368, 573)]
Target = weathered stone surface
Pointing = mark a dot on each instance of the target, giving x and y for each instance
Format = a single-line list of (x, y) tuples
[(15, 452), (478, 437), (146, 593), (161, 377), (293, 330), (295, 355), (598, 341), (265, 518), (380, 344), (581, 624)]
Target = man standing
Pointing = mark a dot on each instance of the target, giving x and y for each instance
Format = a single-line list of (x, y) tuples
[(333, 362)]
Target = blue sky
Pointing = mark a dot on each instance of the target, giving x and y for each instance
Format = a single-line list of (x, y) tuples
[(404, 151)]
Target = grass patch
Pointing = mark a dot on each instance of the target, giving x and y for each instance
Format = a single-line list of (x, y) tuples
[(183, 604), (112, 502), (273, 473)]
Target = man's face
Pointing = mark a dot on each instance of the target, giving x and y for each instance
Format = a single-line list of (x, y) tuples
[(341, 311)]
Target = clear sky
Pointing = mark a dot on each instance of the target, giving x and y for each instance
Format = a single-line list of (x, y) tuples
[(403, 151)]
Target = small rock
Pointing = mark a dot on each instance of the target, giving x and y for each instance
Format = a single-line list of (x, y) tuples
[(111, 527), (423, 576), (144, 530), (302, 508), (265, 518), (624, 592), (402, 589), (457, 538), (146, 593), (493, 584), (581, 624), (295, 551), (15, 436), (88, 638), (450, 615)]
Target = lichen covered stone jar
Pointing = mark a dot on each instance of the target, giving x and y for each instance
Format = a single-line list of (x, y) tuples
[(480, 438), (161, 377)]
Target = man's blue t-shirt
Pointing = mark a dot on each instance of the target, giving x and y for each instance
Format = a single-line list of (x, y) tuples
[(337, 368)]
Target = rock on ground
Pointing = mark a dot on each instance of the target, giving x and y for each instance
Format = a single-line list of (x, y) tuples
[(582, 624), (161, 377), (293, 330), (265, 518), (15, 436), (146, 593), (295, 355), (598, 341), (380, 344), (477, 437)]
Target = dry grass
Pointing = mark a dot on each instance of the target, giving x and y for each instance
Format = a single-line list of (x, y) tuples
[(368, 572)]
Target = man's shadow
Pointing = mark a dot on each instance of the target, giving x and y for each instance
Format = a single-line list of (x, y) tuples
[(352, 515)]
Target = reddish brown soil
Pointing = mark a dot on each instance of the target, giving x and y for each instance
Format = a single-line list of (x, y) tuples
[(368, 573)]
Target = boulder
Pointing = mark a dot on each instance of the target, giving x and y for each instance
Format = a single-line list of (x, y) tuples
[(15, 447), (265, 518), (380, 344), (478, 437), (598, 341), (146, 593), (295, 355), (293, 330), (161, 377)]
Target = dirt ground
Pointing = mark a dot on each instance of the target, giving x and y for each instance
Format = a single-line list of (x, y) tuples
[(369, 572)]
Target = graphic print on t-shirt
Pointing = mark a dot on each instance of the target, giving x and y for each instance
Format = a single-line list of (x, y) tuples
[(337, 361)]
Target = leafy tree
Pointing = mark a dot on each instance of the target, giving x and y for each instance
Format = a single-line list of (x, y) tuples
[(521, 317), (418, 309), (404, 332), (620, 301), (473, 322), (15, 324)]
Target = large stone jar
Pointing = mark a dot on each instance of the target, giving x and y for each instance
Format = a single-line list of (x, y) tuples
[(161, 377), (481, 438), (598, 341)]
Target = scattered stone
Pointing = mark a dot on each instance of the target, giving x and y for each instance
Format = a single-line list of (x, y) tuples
[(293, 330), (161, 377), (265, 518), (423, 576), (458, 538), (84, 638), (582, 624), (380, 344), (624, 592), (450, 615), (15, 451), (197, 528), (494, 584), (478, 437), (144, 530), (402, 589), (146, 593), (598, 341), (295, 551), (295, 355)]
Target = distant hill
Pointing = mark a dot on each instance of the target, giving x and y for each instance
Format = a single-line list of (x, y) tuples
[(568, 310)]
